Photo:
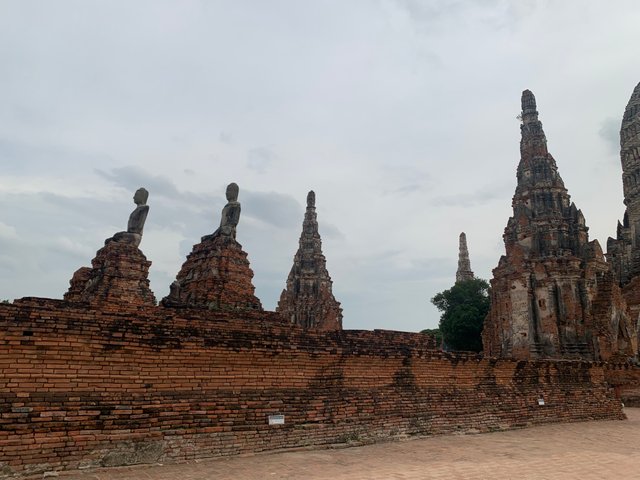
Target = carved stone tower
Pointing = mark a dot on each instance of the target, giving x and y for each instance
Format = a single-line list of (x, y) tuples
[(624, 252), (553, 294), (464, 272), (308, 300)]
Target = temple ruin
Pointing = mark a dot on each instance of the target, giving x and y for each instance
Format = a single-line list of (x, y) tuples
[(217, 274), (307, 299), (623, 252), (464, 272), (552, 294), (120, 271), (105, 377)]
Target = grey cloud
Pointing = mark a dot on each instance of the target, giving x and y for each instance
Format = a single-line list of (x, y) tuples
[(21, 157), (406, 172), (349, 98), (434, 268), (497, 14), (407, 189), (610, 133), (260, 158), (28, 116), (430, 11), (405, 179), (396, 271), (225, 138), (170, 207), (45, 237), (42, 214), (44, 240), (480, 197), (277, 209), (330, 231), (132, 178), (395, 289)]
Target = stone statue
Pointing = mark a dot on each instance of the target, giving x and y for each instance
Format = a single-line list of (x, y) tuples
[(230, 215), (173, 298), (136, 221)]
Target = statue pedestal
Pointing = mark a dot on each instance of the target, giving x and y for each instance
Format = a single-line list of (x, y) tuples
[(119, 275), (216, 276)]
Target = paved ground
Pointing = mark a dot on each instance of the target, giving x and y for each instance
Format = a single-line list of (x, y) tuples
[(590, 450)]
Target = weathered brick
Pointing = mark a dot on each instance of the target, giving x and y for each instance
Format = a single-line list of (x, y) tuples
[(189, 383)]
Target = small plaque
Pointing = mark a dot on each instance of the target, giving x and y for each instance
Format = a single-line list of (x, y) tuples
[(276, 419), (541, 401)]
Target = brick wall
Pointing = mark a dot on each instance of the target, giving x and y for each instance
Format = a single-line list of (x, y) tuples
[(625, 380), (117, 386)]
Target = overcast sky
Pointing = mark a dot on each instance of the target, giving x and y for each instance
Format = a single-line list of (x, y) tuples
[(400, 114)]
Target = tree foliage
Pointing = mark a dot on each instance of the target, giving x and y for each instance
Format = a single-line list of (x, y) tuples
[(435, 332), (463, 308)]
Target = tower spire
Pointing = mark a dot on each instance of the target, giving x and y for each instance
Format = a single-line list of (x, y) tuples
[(307, 299), (623, 252), (464, 272), (538, 291)]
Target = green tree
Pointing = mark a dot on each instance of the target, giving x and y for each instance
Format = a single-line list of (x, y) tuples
[(435, 332), (463, 308)]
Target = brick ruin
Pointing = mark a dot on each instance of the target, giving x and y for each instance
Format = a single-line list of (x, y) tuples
[(553, 295), (106, 377), (84, 387), (464, 272), (119, 273), (623, 253), (307, 299), (217, 274)]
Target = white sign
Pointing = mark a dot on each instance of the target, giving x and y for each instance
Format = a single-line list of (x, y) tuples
[(276, 419), (541, 401)]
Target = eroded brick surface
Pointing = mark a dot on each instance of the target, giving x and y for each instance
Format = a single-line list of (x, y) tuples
[(215, 276), (623, 252), (88, 387), (118, 274), (584, 450), (553, 295), (307, 299)]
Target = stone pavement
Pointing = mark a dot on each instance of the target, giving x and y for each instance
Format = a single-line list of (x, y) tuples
[(588, 450)]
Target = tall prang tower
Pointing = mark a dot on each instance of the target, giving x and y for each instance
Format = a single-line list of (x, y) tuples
[(464, 272), (552, 294), (307, 299), (623, 252)]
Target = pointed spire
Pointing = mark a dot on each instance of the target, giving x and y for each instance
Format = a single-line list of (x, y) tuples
[(630, 150), (464, 272), (310, 238), (545, 221), (539, 287), (537, 170), (534, 141), (308, 300), (624, 253), (528, 101)]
